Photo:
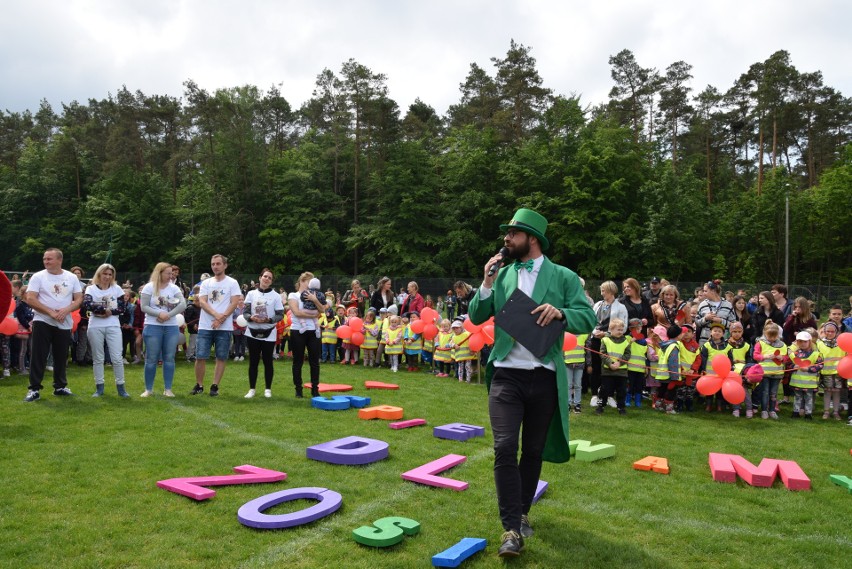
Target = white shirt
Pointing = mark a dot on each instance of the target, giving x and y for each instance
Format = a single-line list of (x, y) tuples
[(300, 324), (264, 305), (219, 295), (108, 299), (55, 292), (519, 357), (163, 300)]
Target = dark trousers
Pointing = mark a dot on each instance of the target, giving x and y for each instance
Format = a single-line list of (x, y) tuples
[(518, 398), (613, 384), (258, 349), (299, 341), (595, 376), (47, 338), (635, 382)]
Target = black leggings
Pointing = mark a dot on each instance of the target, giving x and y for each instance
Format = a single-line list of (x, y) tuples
[(260, 349), (299, 341)]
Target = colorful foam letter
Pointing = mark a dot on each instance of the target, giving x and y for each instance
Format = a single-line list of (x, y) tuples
[(328, 387), (426, 474), (653, 463), (193, 487), (335, 403), (386, 531), (380, 385), (540, 489), (349, 450), (458, 431), (584, 451), (454, 556), (380, 412), (357, 401), (726, 468), (842, 481), (407, 424), (251, 513)]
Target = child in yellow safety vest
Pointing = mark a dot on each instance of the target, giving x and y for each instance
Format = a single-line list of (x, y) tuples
[(575, 365), (329, 322), (713, 347), (412, 342), (350, 350), (615, 351), (462, 354), (807, 362), (637, 364), (771, 353), (444, 350), (740, 356), (832, 384), (370, 329), (393, 341)]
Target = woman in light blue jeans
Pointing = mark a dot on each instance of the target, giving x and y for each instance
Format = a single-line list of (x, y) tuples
[(104, 301), (161, 301)]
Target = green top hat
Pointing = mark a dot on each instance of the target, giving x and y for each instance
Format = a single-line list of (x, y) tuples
[(530, 222)]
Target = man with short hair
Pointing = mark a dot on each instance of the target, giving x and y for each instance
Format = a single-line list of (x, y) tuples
[(53, 294), (527, 394), (217, 299), (835, 314), (784, 304), (652, 295)]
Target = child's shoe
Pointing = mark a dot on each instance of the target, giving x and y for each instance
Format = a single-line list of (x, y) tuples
[(736, 412), (764, 415), (749, 413), (637, 400), (826, 415)]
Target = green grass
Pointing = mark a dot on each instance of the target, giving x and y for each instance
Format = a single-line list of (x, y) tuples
[(79, 482)]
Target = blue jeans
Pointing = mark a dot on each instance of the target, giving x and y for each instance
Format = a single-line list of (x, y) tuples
[(160, 344), (769, 385), (328, 352), (207, 338), (575, 381)]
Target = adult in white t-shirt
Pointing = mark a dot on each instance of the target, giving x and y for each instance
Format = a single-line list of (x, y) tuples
[(53, 294), (104, 301), (161, 301), (217, 299), (305, 334), (263, 309)]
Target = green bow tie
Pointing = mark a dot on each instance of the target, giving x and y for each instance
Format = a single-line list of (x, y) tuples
[(528, 265)]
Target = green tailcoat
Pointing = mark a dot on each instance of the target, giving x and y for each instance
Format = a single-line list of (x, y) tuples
[(560, 287)]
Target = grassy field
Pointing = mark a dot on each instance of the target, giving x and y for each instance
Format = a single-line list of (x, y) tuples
[(79, 482)]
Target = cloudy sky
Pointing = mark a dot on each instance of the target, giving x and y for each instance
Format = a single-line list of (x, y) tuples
[(65, 50)]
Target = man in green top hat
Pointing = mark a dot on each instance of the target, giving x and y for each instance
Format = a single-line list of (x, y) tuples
[(525, 390)]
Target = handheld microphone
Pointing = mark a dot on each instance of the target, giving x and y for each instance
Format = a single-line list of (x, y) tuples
[(504, 254)]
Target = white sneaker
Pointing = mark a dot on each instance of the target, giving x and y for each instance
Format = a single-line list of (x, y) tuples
[(594, 402), (267, 393), (124, 361), (250, 394), (168, 393), (48, 368), (147, 393), (6, 373), (611, 402)]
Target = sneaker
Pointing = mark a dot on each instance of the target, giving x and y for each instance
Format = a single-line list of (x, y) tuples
[(526, 528), (34, 396), (249, 395), (599, 410), (49, 368), (146, 393), (124, 361), (611, 402), (773, 415), (511, 544), (62, 391), (136, 360), (168, 393), (837, 416), (267, 393), (6, 373), (577, 409), (594, 401), (749, 413), (848, 424), (736, 413), (826, 415), (197, 389), (764, 415), (214, 390)]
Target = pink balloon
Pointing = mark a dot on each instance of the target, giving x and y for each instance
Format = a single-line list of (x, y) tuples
[(344, 332), (754, 374), (357, 338), (844, 342), (356, 323), (430, 331), (708, 384), (721, 365), (733, 392), (569, 343), (476, 342), (8, 326), (844, 367), (488, 332), (418, 326), (471, 327)]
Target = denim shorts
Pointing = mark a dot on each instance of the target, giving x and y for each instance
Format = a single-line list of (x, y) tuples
[(207, 338)]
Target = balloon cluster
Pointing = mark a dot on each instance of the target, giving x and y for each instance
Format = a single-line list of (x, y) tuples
[(480, 334), (9, 325), (844, 366), (725, 379)]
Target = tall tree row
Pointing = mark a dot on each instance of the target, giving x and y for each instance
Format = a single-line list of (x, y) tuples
[(666, 177)]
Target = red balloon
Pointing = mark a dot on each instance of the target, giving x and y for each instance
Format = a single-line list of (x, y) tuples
[(844, 342), (429, 315), (11, 309), (75, 320), (471, 327), (488, 332), (356, 323), (754, 374), (430, 331), (721, 365), (733, 392), (708, 384), (344, 332), (569, 342), (844, 367), (357, 338), (418, 326), (476, 342), (8, 326)]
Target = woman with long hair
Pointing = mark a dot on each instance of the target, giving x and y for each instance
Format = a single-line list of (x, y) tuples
[(800, 319), (263, 310), (305, 333), (383, 296), (671, 310), (161, 302), (637, 305), (104, 301)]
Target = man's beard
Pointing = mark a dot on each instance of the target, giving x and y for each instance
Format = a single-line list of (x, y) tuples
[(520, 251)]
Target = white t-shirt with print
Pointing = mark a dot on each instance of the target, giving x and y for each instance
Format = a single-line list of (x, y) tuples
[(108, 299), (55, 292), (163, 300), (301, 324), (264, 305), (219, 294)]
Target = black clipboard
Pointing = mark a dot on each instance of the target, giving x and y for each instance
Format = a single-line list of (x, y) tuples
[(515, 319)]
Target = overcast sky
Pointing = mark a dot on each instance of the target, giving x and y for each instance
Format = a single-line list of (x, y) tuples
[(67, 50)]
